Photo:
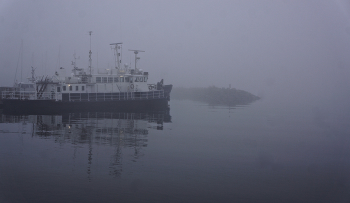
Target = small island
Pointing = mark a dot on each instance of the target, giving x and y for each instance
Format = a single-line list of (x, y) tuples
[(214, 95)]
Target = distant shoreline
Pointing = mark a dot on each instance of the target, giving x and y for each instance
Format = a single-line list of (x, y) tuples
[(214, 95)]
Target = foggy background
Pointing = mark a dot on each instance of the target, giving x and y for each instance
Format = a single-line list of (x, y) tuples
[(297, 51)]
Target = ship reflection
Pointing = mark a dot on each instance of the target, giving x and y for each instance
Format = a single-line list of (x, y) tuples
[(119, 130)]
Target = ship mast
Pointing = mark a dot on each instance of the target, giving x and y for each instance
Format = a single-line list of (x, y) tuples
[(32, 79), (136, 58), (90, 60), (117, 54)]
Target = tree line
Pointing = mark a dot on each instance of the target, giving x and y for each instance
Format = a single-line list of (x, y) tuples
[(214, 95)]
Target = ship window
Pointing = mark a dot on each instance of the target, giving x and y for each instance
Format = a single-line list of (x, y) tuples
[(121, 79), (98, 79), (136, 79), (127, 79), (58, 89), (70, 88), (141, 79), (110, 79), (116, 79), (145, 79), (64, 88), (76, 88), (82, 88), (104, 79)]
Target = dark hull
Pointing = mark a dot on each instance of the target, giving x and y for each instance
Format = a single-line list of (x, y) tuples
[(56, 107)]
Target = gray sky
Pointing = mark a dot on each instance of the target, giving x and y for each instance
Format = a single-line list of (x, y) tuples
[(289, 49)]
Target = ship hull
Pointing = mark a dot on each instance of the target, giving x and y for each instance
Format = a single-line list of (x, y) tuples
[(54, 107)]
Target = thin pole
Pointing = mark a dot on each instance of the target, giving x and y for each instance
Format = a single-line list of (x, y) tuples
[(21, 60), (90, 32), (19, 57)]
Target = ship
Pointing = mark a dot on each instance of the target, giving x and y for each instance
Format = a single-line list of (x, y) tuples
[(120, 88)]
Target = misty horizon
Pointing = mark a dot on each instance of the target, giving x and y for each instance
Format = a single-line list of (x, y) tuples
[(274, 49), (237, 101)]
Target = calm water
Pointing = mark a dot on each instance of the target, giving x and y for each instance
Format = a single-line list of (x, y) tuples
[(198, 153)]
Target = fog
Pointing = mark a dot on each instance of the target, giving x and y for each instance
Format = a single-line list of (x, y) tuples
[(294, 51)]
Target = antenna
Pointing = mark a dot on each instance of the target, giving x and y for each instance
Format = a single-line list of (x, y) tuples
[(19, 57), (117, 53), (136, 58), (45, 65), (59, 56), (74, 63), (32, 79), (21, 60), (90, 60)]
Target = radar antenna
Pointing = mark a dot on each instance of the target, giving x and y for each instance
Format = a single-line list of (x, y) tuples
[(117, 54), (136, 58)]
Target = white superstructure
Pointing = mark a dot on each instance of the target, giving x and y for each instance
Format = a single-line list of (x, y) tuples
[(80, 85)]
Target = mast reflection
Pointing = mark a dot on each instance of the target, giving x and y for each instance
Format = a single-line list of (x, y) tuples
[(119, 130)]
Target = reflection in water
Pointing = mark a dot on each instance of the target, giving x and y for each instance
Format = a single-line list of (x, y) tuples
[(117, 129), (258, 153)]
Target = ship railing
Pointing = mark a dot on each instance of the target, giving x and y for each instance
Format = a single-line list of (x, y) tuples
[(47, 96), (29, 95), (113, 96), (23, 95), (33, 95)]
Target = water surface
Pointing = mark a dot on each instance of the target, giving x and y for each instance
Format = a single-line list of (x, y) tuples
[(197, 153)]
